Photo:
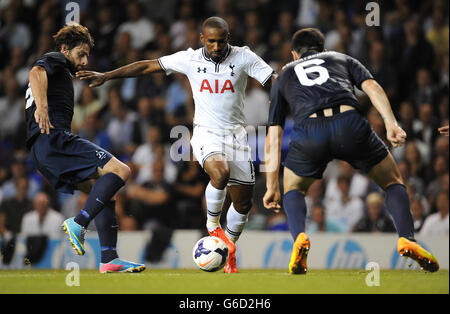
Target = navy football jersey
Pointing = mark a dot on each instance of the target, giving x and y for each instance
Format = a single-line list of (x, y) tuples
[(60, 95), (314, 82)]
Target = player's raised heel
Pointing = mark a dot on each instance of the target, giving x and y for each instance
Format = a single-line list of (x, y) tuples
[(218, 232), (118, 265), (413, 250), (76, 234), (298, 263), (231, 266)]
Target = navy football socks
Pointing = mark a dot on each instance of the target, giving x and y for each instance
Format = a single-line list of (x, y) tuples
[(107, 226), (397, 203), (102, 192), (295, 207)]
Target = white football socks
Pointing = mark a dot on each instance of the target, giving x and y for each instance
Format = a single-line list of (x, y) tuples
[(235, 223), (214, 203)]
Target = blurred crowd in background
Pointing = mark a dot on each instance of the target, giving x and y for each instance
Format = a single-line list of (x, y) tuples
[(408, 55)]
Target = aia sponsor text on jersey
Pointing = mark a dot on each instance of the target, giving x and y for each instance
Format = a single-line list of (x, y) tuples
[(216, 87)]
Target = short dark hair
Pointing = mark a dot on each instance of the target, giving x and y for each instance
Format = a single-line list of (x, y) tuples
[(216, 22), (308, 39), (73, 35)]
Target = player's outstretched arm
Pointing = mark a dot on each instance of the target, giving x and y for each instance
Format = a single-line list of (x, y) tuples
[(39, 84), (395, 134), (444, 130), (131, 70), (272, 167)]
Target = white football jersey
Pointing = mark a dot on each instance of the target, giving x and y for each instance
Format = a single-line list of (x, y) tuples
[(218, 88)]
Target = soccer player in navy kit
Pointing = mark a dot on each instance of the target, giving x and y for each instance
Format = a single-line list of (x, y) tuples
[(66, 160), (318, 90)]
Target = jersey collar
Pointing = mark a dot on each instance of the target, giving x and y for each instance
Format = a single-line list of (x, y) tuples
[(309, 53), (227, 53)]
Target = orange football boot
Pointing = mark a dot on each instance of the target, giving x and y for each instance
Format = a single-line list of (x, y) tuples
[(218, 232), (230, 266), (413, 250), (300, 250)]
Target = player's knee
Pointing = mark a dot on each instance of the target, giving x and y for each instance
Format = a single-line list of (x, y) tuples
[(219, 178), (395, 180), (296, 187), (123, 171), (394, 177), (292, 182), (118, 168), (243, 207)]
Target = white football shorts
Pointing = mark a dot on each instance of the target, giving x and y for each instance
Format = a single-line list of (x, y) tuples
[(232, 144)]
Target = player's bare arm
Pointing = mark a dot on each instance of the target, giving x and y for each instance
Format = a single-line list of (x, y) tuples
[(39, 83), (395, 134), (131, 70), (444, 130), (273, 156)]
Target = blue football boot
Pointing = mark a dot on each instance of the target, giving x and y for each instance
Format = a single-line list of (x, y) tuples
[(76, 234)]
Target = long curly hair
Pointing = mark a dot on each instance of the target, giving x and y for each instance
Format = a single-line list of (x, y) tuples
[(73, 35)]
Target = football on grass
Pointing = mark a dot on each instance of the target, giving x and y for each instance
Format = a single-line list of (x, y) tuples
[(210, 254)]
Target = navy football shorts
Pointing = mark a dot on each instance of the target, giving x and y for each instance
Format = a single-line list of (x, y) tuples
[(345, 136), (66, 159)]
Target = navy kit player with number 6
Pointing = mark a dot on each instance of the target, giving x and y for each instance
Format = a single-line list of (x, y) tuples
[(318, 89), (66, 160)]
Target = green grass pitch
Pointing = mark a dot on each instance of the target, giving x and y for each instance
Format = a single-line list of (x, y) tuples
[(183, 281)]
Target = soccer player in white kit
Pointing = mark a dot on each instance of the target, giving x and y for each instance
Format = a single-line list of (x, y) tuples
[(218, 75)]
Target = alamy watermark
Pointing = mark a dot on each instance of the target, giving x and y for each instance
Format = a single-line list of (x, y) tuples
[(235, 145), (73, 278), (73, 13), (373, 277), (373, 17)]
